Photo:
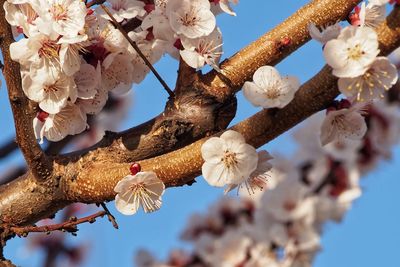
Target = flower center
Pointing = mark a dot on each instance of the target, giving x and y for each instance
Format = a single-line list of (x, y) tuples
[(229, 159), (289, 205), (49, 49), (59, 12), (50, 88), (189, 19), (273, 93), (355, 53), (140, 192), (161, 3)]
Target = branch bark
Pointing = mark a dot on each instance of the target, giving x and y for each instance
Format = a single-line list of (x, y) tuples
[(23, 110), (209, 101), (275, 45), (90, 176)]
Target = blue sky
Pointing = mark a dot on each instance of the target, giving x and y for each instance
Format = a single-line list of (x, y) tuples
[(368, 235)]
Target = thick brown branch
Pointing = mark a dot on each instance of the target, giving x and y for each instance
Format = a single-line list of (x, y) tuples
[(181, 166), (23, 110), (190, 117), (275, 45), (92, 177)]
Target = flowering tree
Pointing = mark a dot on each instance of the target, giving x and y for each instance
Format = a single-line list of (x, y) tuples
[(73, 61)]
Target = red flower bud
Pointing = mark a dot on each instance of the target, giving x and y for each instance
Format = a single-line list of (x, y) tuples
[(135, 168)]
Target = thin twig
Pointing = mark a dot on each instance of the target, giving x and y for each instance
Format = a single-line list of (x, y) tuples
[(140, 53), (68, 226), (8, 147), (111, 217), (94, 2), (132, 24)]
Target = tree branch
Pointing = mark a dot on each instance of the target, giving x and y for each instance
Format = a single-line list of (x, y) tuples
[(92, 176), (208, 105), (8, 147), (138, 51), (182, 166), (23, 110), (68, 226)]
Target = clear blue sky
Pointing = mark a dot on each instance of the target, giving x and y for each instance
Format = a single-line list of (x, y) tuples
[(368, 236)]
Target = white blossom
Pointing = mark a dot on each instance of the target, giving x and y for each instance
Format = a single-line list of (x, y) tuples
[(261, 256), (87, 80), (325, 34), (153, 51), (352, 52), (228, 159), (21, 15), (191, 18), (38, 51), (142, 189), (344, 123), (230, 250), (371, 15), (69, 121), (123, 9), (269, 89), (95, 104), (288, 201), (51, 91), (118, 74), (65, 17), (257, 181), (70, 50), (378, 78), (218, 6), (378, 2), (204, 50)]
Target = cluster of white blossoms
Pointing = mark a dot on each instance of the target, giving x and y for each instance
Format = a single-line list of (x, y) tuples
[(228, 160), (353, 54), (281, 227), (72, 56)]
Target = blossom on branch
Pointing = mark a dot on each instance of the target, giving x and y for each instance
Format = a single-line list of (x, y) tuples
[(123, 9), (228, 159), (204, 50), (352, 52), (142, 189), (325, 34), (269, 89), (218, 6), (191, 18), (344, 123), (373, 84)]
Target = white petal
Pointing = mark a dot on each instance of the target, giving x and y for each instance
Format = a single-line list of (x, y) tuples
[(212, 150)]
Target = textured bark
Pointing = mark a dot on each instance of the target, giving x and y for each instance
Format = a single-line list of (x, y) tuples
[(89, 176), (275, 45), (23, 110)]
